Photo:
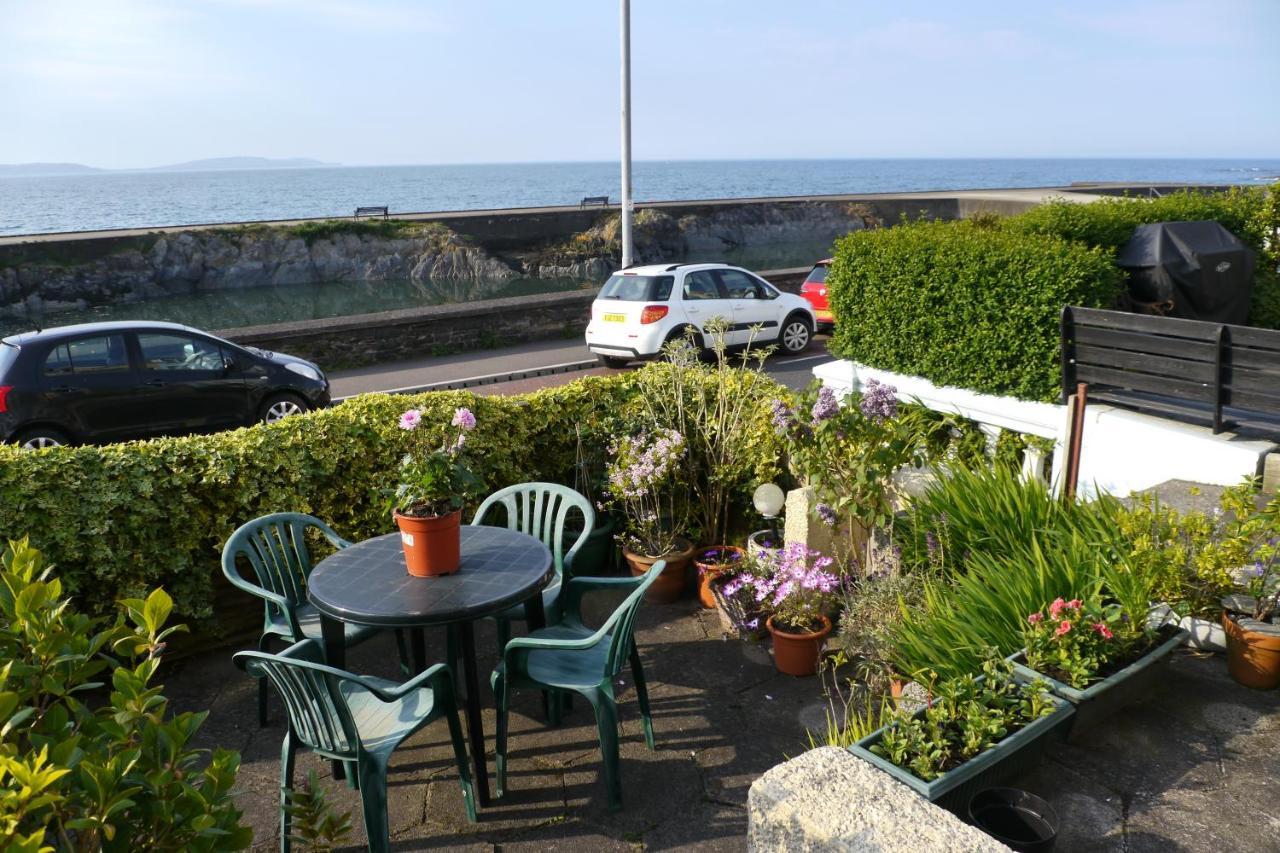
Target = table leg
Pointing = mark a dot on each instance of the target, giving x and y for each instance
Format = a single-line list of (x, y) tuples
[(334, 636), (474, 724), (418, 643)]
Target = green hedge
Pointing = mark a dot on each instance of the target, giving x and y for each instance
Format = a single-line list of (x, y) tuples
[(975, 303), (963, 303), (122, 519)]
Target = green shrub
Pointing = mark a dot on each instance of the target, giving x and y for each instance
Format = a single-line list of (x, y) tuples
[(120, 776), (962, 304), (133, 516)]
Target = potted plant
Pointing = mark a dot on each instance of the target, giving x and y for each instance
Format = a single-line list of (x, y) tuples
[(641, 484), (976, 732), (434, 484), (740, 613), (711, 563), (1096, 656), (1252, 622), (794, 587), (597, 555)]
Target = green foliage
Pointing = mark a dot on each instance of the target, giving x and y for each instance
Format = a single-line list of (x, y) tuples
[(327, 229), (116, 776), (963, 305), (1071, 641), (969, 715), (129, 517), (315, 824), (435, 478)]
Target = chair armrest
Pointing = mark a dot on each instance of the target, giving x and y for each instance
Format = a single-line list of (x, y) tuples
[(572, 592), (328, 532), (240, 582), (438, 675)]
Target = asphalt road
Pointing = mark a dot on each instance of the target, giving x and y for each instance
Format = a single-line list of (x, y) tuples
[(489, 371)]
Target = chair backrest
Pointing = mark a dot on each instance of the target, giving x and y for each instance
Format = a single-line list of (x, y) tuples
[(318, 714), (622, 622), (541, 510), (276, 546)]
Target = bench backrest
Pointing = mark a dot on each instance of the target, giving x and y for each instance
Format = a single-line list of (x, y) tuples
[(1217, 374), (372, 211), (595, 199)]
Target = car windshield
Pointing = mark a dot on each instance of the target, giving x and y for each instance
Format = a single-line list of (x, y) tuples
[(638, 288), (817, 275)]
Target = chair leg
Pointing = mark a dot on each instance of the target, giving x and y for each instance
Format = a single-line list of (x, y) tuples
[(642, 694), (552, 706), (607, 726), (373, 800), (500, 695), (264, 645), (286, 785), (402, 649)]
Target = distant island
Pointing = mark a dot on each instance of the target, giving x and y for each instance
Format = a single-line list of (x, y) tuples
[(214, 164)]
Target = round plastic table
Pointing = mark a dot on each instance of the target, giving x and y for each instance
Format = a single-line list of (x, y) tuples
[(368, 584)]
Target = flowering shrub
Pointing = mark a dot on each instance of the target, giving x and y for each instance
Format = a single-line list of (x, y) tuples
[(1072, 640), (641, 471), (434, 480), (968, 715), (792, 584), (1262, 579)]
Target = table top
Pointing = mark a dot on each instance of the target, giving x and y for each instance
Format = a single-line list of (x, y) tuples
[(368, 583)]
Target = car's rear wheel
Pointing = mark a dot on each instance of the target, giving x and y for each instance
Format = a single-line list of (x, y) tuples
[(685, 335), (612, 361), (795, 335), (38, 438), (277, 407)]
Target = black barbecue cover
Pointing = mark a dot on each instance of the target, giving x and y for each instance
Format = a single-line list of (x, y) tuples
[(1195, 270)]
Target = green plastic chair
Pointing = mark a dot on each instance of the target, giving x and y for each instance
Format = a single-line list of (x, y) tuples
[(276, 547), (356, 719), (569, 658), (540, 510)]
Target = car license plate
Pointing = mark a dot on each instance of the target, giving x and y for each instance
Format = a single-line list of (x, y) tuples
[(615, 318)]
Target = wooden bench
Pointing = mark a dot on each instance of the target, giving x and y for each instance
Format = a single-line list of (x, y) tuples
[(601, 200), (371, 211), (1214, 374)]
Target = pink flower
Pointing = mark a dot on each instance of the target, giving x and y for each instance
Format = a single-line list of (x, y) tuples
[(463, 418), (1055, 609), (1103, 630), (1074, 604), (1035, 618), (410, 419), (1063, 627)]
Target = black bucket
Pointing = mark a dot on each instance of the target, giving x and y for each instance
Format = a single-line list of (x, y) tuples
[(1017, 819)]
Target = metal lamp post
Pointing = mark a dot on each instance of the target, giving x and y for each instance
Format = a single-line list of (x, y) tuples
[(626, 134)]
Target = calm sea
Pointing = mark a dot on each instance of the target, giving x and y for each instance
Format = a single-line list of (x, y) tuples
[(30, 205)]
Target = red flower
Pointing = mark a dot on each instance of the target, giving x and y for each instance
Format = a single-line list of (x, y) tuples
[(1063, 627), (1055, 609), (1074, 604), (1035, 618), (1103, 630)]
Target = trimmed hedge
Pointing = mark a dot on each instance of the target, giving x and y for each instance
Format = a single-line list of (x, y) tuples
[(121, 519), (963, 303), (976, 303)]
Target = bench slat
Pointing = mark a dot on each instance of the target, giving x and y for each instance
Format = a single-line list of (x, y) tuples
[(1158, 365)]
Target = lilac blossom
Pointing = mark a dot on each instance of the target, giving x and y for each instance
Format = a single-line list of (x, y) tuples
[(826, 406), (782, 415), (827, 514), (879, 401)]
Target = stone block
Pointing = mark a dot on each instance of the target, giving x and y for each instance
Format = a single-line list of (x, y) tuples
[(829, 799), (802, 522)]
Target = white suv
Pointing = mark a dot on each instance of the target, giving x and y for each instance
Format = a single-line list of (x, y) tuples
[(640, 309)]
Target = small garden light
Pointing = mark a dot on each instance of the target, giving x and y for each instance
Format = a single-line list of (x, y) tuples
[(769, 500)]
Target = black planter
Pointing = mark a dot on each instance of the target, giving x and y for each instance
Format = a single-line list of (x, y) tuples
[(1017, 819)]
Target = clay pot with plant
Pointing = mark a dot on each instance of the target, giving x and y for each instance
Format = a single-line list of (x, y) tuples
[(711, 563), (796, 586), (643, 487), (1251, 622), (427, 503)]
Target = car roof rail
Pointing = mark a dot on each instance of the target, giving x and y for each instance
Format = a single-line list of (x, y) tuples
[(675, 267)]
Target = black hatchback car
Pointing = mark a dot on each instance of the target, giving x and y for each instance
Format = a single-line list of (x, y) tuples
[(101, 382)]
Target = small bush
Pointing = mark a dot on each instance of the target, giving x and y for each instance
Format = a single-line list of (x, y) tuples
[(965, 305)]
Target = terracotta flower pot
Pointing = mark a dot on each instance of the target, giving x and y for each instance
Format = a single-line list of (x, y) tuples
[(711, 562), (432, 545), (1253, 657), (797, 654), (670, 584)]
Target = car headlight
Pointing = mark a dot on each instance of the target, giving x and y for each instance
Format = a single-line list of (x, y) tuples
[(305, 370)]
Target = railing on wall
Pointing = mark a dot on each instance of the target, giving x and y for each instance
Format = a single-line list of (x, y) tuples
[(1213, 374)]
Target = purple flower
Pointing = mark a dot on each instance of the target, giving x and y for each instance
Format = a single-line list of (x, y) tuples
[(879, 401), (463, 418), (826, 406), (410, 419), (827, 514), (781, 415), (931, 542)]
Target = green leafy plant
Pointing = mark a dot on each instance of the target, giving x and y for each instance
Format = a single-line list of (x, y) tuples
[(435, 480), (793, 585), (871, 609), (315, 824), (90, 757), (968, 715), (642, 486), (1072, 640)]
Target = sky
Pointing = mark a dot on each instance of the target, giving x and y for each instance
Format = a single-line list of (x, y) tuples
[(135, 83)]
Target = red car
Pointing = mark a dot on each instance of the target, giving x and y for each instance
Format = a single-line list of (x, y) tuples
[(814, 290)]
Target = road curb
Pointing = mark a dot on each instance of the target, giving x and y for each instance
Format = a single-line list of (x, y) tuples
[(486, 379)]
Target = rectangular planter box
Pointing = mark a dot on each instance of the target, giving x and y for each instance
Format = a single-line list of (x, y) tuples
[(1098, 701), (1016, 754)]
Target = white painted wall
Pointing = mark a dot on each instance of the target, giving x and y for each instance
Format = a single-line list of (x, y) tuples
[(1122, 452)]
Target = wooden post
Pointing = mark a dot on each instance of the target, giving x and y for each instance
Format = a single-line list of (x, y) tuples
[(1078, 402)]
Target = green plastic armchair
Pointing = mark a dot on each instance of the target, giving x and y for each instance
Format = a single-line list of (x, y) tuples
[(276, 547), (542, 511), (356, 719), (569, 658)]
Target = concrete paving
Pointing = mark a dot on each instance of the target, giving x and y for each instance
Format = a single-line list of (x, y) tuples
[(1192, 768)]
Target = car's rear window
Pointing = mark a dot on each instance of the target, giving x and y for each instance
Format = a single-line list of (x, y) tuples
[(817, 275), (8, 355), (638, 288)]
